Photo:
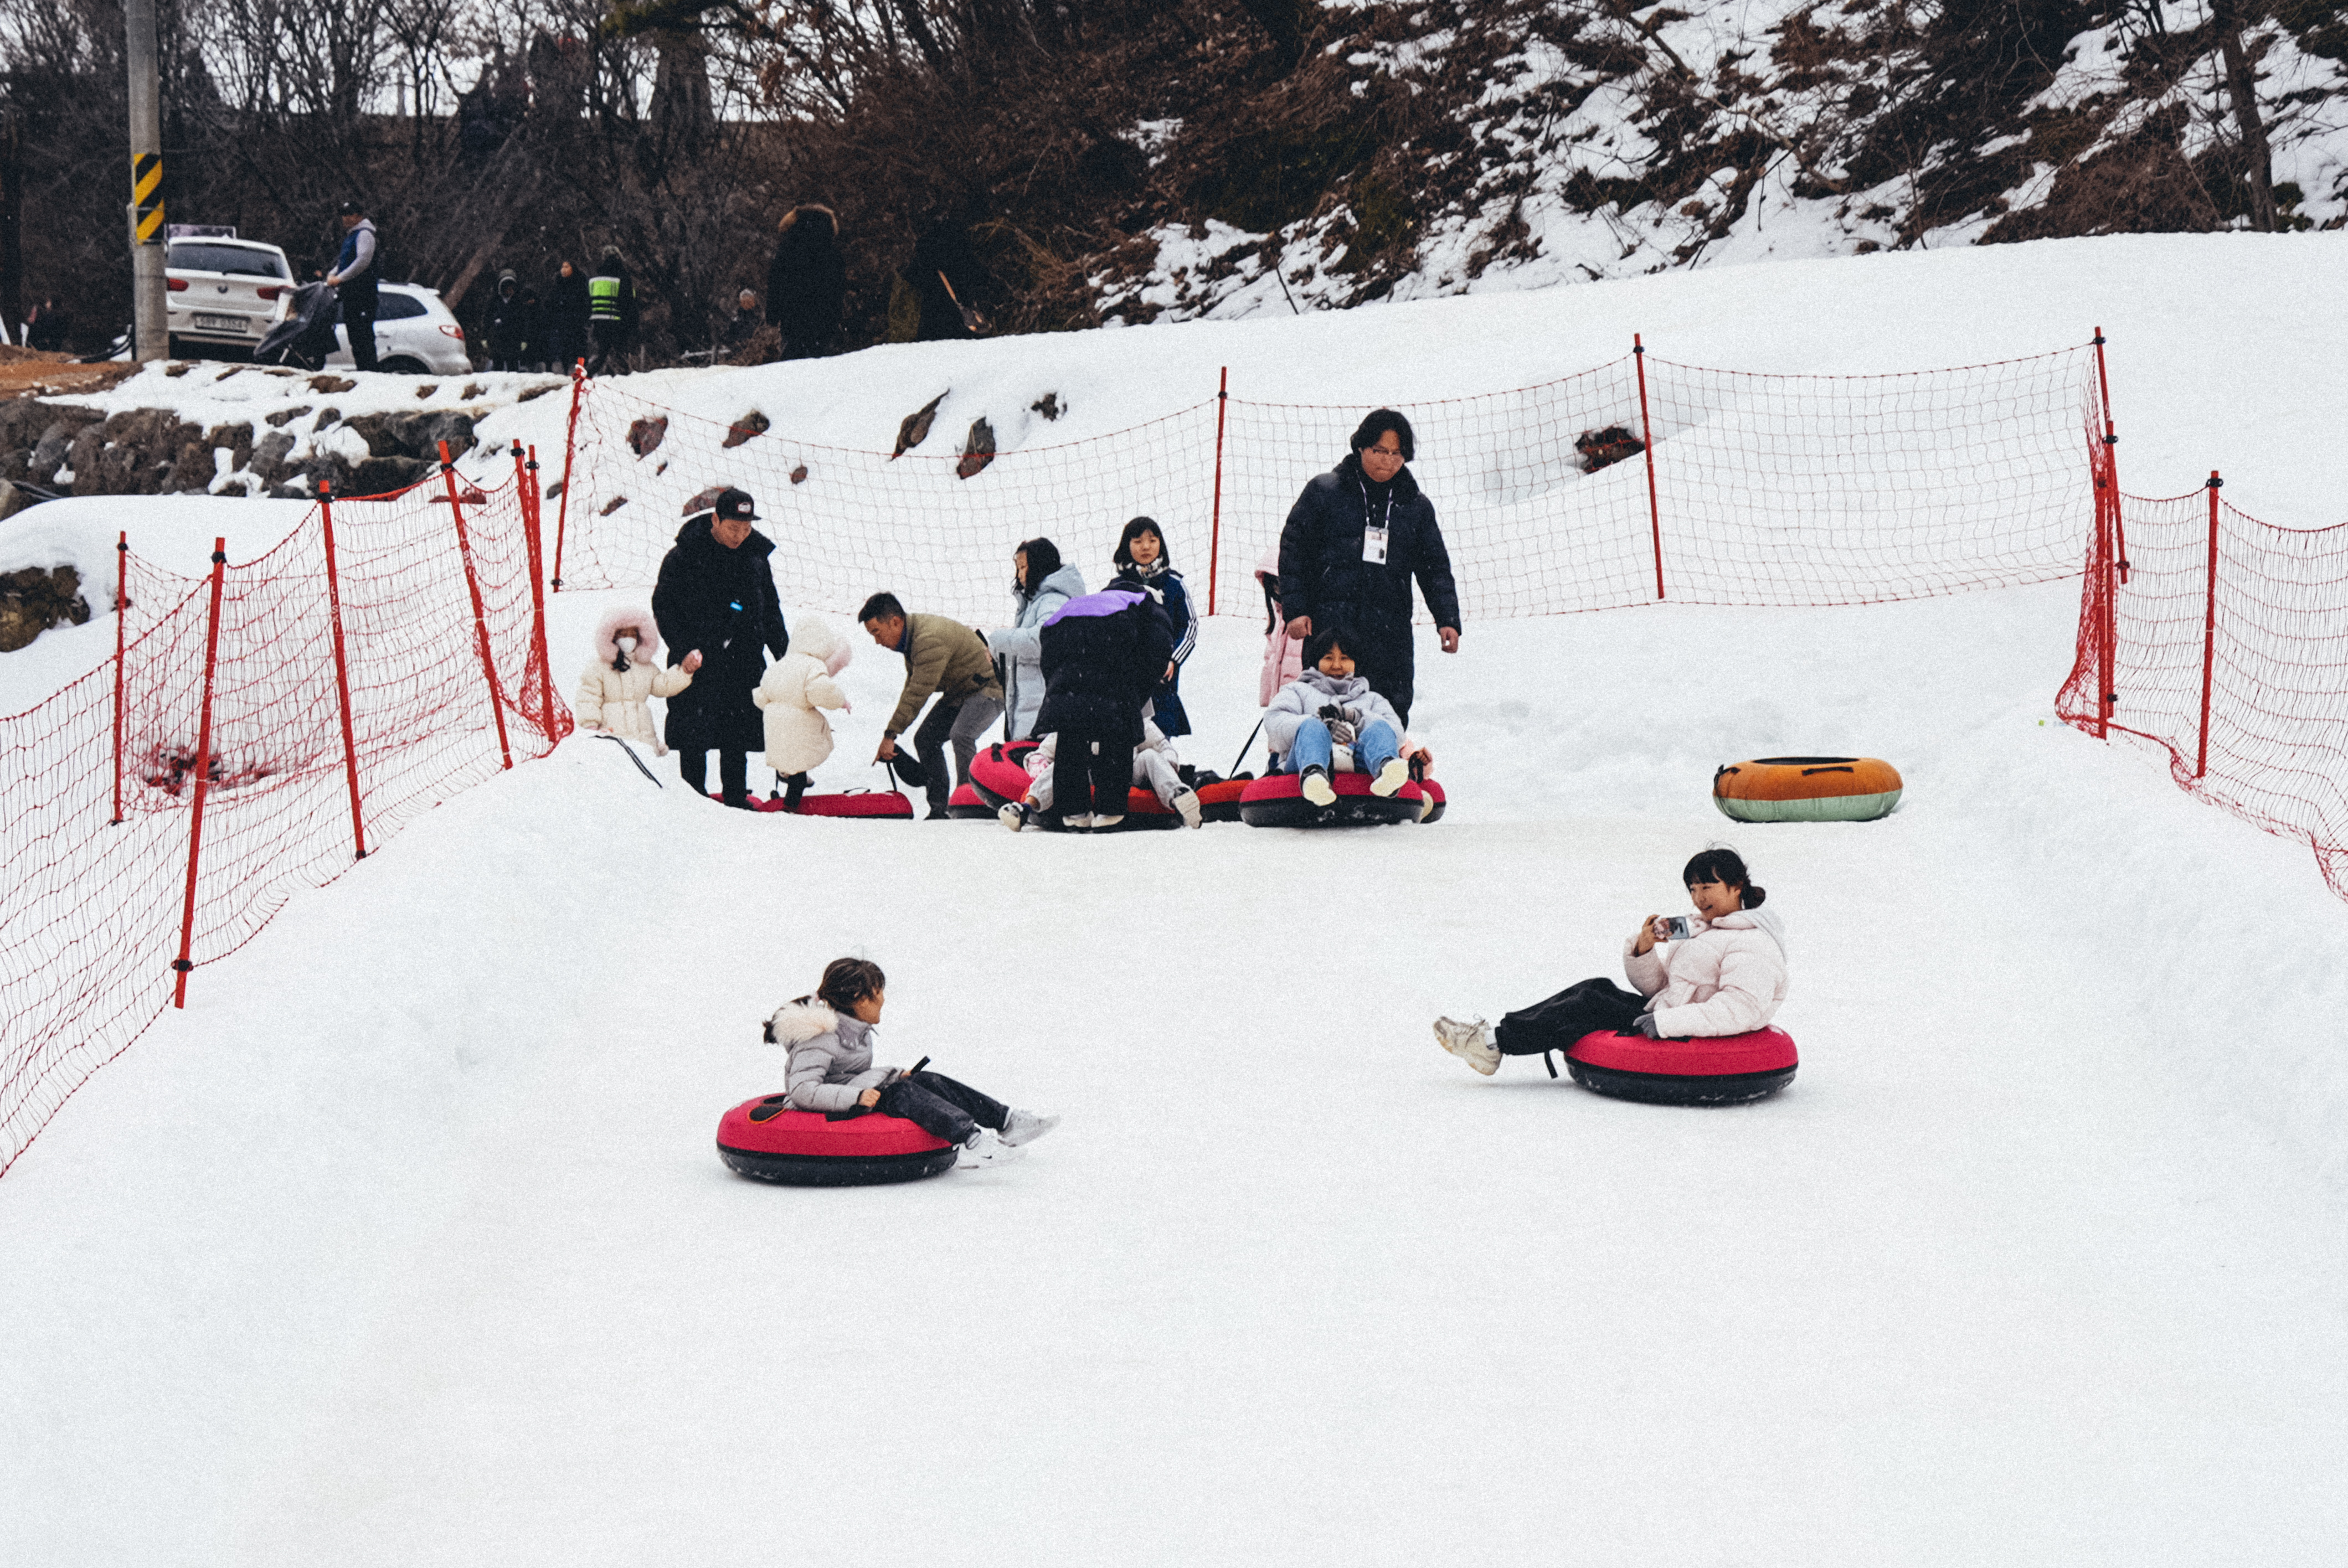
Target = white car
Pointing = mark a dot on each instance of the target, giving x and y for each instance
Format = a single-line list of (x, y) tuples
[(221, 295), (415, 334)]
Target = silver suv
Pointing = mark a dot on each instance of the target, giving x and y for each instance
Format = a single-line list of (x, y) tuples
[(222, 294)]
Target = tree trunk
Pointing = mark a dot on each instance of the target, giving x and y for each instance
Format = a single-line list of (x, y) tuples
[(2242, 88)]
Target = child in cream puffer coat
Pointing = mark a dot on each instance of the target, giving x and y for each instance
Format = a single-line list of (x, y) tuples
[(626, 671), (794, 688)]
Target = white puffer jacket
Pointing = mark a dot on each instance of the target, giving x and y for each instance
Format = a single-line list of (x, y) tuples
[(794, 687), (613, 700), (1727, 978), (831, 1056)]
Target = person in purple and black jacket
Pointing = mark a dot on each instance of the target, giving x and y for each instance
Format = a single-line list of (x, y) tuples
[(1103, 656)]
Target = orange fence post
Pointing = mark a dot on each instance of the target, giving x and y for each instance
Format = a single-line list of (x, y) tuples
[(2112, 457), (341, 666), (2208, 627), (1215, 539), (526, 482), (121, 617), (570, 446), (481, 615), (182, 964), (1647, 441)]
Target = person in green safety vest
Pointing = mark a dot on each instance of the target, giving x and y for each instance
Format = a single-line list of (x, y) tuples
[(610, 313)]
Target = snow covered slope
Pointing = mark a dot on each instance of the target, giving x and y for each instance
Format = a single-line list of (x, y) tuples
[(407, 1243)]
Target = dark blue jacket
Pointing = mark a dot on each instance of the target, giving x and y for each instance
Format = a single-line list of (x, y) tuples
[(1102, 656), (1323, 574), (1166, 586)]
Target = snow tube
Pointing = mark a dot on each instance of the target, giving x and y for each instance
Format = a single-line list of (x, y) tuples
[(1432, 792), (999, 776), (1220, 801), (1278, 801), (965, 804), (889, 804), (1806, 789), (1716, 1070), (767, 1140)]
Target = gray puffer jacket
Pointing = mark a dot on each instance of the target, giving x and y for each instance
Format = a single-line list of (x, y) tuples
[(1304, 697), (831, 1055), (1021, 646)]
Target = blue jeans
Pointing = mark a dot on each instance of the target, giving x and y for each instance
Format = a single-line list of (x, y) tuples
[(1372, 748)]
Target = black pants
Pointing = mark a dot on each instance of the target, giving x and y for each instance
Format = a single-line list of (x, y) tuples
[(1391, 678), (733, 774), (1090, 777), (611, 348), (358, 320), (1582, 1007), (941, 1107)]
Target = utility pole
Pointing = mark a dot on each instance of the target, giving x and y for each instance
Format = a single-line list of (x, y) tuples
[(151, 332)]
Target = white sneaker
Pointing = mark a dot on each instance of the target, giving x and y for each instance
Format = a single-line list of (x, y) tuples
[(1100, 822), (1012, 815), (1081, 821), (1391, 777), (1317, 788), (985, 1147), (1025, 1127), (1186, 802), (1470, 1043)]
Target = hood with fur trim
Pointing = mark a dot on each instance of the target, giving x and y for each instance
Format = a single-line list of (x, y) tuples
[(798, 1019), (647, 633), (822, 641)]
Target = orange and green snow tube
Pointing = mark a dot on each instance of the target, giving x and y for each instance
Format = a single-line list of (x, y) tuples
[(1806, 789)]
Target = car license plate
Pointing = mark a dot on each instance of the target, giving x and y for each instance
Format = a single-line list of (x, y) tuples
[(222, 323)]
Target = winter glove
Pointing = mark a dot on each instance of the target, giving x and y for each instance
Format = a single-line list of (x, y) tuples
[(1341, 723), (1647, 1025)]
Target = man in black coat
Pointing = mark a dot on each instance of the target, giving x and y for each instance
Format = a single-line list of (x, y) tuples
[(717, 593), (1354, 542), (807, 283), (1103, 656)]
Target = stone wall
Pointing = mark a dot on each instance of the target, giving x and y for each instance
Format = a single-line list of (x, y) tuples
[(34, 599)]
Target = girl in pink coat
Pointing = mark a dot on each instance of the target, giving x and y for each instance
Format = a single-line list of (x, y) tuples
[(1283, 656), (1722, 971)]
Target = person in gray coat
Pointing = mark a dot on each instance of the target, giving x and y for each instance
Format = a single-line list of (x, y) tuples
[(829, 1036), (1040, 586)]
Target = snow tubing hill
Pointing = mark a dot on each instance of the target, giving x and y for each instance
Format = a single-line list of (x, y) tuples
[(967, 804), (769, 1142), (1719, 1070), (1278, 801), (999, 775), (1806, 789), (887, 804)]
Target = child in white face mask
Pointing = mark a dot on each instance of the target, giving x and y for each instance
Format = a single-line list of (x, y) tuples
[(627, 670)]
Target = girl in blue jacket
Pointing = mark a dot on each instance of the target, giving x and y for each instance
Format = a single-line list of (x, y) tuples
[(1142, 560)]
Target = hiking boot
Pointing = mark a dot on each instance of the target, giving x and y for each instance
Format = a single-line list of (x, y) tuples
[(1470, 1043), (1316, 786), (1392, 775), (985, 1147), (1186, 803), (1025, 1127)]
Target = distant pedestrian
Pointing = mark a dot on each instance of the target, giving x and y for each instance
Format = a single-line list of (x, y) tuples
[(611, 313), (948, 280), (355, 277), (716, 594), (508, 328), (807, 283), (743, 324), (533, 315), (567, 339), (949, 659), (49, 328)]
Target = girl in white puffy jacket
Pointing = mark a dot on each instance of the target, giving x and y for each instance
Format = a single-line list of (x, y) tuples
[(1725, 975), (790, 693), (626, 671)]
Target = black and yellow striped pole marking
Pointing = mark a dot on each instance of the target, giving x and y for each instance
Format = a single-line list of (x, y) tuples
[(147, 196)]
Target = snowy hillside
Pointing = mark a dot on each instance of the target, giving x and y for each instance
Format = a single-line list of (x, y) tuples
[(406, 1243)]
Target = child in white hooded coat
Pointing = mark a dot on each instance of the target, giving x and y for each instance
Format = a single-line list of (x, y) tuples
[(626, 671), (791, 693)]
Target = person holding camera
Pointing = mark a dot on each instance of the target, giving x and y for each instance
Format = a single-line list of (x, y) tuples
[(1721, 971)]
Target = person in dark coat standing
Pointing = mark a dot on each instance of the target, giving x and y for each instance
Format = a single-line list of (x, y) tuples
[(566, 319), (807, 283), (354, 278), (1355, 541), (947, 278), (611, 313), (717, 593), (1103, 654), (508, 328), (1143, 561)]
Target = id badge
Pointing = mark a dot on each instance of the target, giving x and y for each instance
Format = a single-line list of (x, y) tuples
[(1374, 546)]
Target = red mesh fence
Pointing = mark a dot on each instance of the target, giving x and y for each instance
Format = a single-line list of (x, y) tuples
[(94, 922), (2223, 643)]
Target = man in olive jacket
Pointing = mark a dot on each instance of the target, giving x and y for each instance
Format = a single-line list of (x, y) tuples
[(947, 659)]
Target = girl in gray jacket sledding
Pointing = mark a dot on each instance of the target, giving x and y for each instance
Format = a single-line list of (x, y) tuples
[(1329, 706), (829, 1036)]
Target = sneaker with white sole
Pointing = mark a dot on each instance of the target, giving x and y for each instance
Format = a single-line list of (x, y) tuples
[(1316, 787), (1025, 1127), (1100, 822), (1012, 815), (1077, 821), (1186, 803), (1470, 1043), (1392, 777), (985, 1147)]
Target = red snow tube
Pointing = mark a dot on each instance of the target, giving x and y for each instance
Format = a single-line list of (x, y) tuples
[(1220, 801), (1714, 1070), (1000, 776), (855, 802), (965, 804), (767, 1140), (1278, 801)]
